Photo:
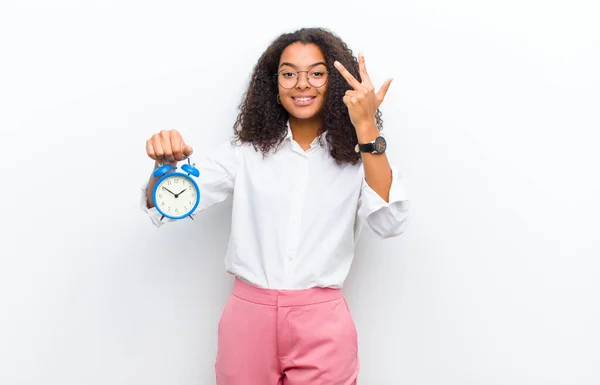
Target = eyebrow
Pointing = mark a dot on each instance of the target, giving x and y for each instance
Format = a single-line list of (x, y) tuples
[(295, 66)]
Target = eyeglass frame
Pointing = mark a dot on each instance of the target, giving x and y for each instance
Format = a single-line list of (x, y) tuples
[(298, 78)]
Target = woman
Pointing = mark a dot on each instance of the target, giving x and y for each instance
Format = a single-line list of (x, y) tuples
[(308, 168)]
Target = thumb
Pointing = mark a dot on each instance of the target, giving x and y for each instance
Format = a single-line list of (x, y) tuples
[(383, 90)]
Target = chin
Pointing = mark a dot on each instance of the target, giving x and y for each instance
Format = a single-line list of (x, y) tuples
[(304, 113)]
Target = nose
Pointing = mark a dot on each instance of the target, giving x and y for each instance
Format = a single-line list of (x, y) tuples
[(303, 83)]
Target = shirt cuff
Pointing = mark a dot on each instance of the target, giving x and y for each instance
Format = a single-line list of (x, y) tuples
[(387, 219), (153, 213)]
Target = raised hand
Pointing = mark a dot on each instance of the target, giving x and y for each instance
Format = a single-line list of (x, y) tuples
[(167, 145), (362, 101)]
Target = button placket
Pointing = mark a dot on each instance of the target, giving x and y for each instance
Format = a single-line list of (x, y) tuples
[(296, 209)]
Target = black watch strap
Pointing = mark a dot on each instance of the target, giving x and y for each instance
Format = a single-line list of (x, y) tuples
[(367, 147), (378, 146)]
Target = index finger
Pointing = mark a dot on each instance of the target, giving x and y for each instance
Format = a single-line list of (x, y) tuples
[(347, 75)]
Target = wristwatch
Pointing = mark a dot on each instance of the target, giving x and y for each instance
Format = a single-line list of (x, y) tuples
[(377, 146)]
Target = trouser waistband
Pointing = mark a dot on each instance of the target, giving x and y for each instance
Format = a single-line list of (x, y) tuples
[(275, 297)]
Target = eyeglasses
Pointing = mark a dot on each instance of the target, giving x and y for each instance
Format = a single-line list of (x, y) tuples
[(288, 78)]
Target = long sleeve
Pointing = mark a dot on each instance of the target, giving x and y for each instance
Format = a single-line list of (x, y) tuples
[(386, 219), (216, 181)]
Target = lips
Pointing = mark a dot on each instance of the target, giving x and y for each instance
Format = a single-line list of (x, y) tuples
[(303, 100)]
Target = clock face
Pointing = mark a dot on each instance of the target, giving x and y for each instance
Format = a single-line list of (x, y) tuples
[(176, 195)]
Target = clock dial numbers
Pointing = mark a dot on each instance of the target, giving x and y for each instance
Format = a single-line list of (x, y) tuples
[(176, 195)]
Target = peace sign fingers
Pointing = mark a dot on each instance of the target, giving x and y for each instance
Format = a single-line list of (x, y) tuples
[(362, 101)]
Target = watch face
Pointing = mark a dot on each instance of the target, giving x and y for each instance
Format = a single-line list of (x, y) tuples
[(380, 144), (176, 195)]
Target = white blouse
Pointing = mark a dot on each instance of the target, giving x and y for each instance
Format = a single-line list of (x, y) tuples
[(296, 214)]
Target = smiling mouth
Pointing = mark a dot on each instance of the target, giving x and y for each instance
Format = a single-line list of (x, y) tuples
[(304, 98)]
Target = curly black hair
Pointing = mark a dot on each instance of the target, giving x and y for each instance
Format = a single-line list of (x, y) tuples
[(263, 122)]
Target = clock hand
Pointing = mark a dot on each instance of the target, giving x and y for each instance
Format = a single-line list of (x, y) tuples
[(170, 191), (177, 195)]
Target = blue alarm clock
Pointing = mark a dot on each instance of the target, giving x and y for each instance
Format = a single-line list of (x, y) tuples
[(176, 195)]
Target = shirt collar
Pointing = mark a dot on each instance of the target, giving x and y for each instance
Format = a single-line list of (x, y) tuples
[(289, 131), (315, 142)]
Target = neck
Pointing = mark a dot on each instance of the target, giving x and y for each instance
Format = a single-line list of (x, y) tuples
[(305, 131)]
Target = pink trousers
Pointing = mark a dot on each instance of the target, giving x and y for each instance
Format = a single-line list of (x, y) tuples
[(286, 337)]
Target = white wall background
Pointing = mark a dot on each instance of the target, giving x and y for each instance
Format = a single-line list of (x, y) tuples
[(493, 117)]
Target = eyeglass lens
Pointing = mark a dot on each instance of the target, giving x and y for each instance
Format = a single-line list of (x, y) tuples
[(288, 78)]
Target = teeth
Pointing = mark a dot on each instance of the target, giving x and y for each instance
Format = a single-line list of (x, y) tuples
[(303, 99)]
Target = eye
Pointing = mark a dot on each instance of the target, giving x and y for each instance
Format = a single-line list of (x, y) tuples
[(317, 74), (288, 74)]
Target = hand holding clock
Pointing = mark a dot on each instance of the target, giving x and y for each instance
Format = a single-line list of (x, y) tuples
[(168, 145)]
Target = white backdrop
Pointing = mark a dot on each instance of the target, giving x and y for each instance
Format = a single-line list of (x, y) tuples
[(492, 117)]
